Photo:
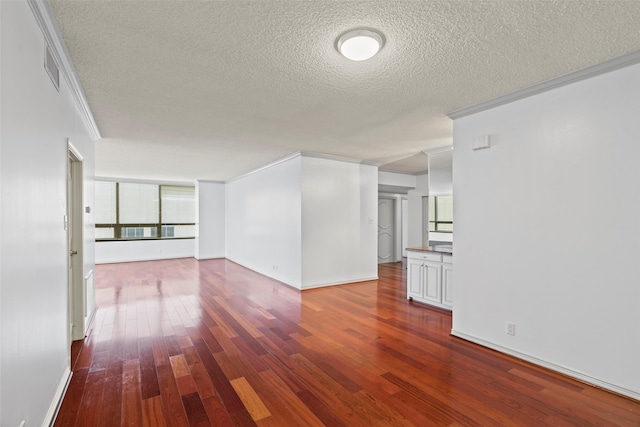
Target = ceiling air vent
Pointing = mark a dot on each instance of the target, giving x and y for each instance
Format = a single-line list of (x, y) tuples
[(51, 67)]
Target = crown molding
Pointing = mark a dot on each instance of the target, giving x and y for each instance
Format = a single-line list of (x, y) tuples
[(339, 158), (304, 154), (422, 172), (208, 181), (563, 80), (267, 166), (46, 21), (438, 150), (145, 181)]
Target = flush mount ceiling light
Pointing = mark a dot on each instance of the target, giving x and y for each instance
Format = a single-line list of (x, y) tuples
[(360, 44)]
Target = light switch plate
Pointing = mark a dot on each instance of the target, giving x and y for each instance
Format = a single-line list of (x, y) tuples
[(481, 142)]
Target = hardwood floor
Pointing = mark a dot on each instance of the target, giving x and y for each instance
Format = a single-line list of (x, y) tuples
[(188, 343)]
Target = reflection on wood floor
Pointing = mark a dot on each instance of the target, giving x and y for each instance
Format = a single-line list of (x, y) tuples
[(198, 343)]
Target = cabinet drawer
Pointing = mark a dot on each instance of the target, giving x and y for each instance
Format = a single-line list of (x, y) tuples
[(447, 259), (425, 256)]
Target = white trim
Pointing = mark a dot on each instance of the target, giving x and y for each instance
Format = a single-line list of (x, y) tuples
[(324, 285), (207, 181), (304, 154), (552, 366), (339, 158), (387, 196), (291, 285), (76, 282), (87, 277), (209, 258), (142, 259), (424, 172), (438, 150), (89, 322), (46, 21), (267, 166), (563, 80), (74, 151), (50, 417), (145, 181)]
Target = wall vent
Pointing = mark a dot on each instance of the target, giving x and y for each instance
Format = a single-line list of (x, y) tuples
[(51, 67)]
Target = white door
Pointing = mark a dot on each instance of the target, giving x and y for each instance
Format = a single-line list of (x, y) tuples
[(75, 245), (386, 230)]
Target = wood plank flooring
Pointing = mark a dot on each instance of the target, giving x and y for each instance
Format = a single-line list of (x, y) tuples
[(199, 343)]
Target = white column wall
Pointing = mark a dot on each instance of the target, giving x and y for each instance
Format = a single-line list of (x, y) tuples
[(263, 218), (415, 214), (210, 219), (36, 121), (143, 250), (547, 229), (339, 222), (396, 179)]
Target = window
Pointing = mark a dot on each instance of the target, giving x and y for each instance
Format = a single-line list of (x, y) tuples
[(131, 211), (441, 214)]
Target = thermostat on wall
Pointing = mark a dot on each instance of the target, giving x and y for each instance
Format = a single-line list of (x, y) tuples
[(480, 142)]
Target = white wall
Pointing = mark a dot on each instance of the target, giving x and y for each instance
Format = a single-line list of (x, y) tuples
[(440, 172), (210, 219), (263, 217), (143, 250), (547, 230), (396, 179), (339, 222), (417, 234), (404, 227), (440, 184), (36, 122)]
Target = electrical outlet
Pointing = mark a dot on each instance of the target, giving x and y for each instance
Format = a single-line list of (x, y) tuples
[(510, 328)]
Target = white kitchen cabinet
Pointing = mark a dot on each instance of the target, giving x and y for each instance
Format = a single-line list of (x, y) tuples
[(430, 278), (432, 281), (447, 284)]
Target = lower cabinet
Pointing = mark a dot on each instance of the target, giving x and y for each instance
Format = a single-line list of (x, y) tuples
[(447, 284), (430, 278)]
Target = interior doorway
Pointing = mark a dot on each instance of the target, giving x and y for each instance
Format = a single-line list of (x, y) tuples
[(386, 230), (75, 227)]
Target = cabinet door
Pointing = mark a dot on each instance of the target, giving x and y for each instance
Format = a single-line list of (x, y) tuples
[(432, 281), (414, 278), (447, 285)]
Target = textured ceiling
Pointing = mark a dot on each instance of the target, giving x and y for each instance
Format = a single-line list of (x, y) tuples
[(187, 90)]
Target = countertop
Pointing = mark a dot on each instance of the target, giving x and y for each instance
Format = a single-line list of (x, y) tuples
[(441, 250)]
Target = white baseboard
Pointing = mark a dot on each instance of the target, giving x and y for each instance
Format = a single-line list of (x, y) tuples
[(204, 258), (292, 285), (50, 417), (89, 321), (323, 285), (549, 365)]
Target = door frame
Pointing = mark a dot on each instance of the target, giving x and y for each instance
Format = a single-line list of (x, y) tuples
[(75, 242)]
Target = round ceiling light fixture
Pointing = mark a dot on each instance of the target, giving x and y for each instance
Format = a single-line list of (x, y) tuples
[(360, 44)]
